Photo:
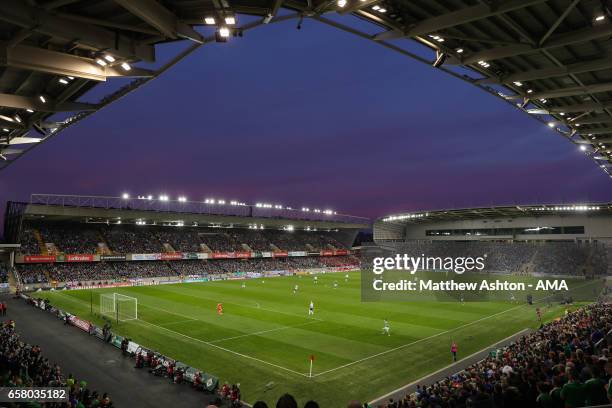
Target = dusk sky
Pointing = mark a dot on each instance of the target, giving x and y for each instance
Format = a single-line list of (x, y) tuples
[(313, 117)]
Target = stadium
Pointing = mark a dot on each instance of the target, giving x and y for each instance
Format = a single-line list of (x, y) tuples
[(146, 296)]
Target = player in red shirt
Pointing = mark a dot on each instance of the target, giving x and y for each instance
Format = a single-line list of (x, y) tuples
[(219, 309)]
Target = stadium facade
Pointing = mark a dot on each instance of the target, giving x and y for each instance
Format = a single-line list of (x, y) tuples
[(561, 239), (561, 222)]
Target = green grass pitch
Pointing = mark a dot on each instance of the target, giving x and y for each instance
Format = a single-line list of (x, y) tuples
[(265, 336)]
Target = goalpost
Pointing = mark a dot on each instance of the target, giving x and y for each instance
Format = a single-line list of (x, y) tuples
[(118, 306)]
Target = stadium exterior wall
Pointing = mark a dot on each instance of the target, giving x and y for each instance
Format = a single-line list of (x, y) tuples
[(596, 227)]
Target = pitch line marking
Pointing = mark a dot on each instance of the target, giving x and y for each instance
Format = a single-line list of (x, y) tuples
[(258, 308), (459, 362), (264, 331), (412, 343), (205, 342), (178, 322), (224, 349), (433, 336)]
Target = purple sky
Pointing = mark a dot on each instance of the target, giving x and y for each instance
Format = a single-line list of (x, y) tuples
[(314, 117)]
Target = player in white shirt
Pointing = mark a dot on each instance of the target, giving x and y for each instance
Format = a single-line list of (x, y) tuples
[(335, 284), (387, 328), (243, 285), (346, 277), (311, 309), (295, 289), (316, 279)]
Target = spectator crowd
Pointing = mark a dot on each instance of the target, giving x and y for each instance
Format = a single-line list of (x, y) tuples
[(23, 365), (125, 239)]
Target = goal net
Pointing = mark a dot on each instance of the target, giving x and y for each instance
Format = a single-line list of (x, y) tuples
[(118, 306)]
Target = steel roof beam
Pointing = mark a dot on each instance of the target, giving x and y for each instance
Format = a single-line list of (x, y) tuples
[(35, 104), (565, 92), (594, 121), (455, 18), (602, 131), (58, 63), (560, 40), (358, 5), (41, 21), (544, 73), (156, 15)]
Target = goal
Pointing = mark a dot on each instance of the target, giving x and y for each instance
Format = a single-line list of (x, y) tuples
[(118, 306)]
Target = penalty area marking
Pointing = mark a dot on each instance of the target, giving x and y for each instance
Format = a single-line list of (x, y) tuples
[(264, 331), (223, 348)]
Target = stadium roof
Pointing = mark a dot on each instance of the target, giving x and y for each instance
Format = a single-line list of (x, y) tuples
[(548, 58), (513, 211), (149, 211)]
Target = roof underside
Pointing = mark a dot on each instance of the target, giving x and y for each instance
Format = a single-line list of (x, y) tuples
[(515, 211), (550, 59)]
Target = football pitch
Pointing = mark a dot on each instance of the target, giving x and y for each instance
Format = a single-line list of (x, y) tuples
[(264, 338)]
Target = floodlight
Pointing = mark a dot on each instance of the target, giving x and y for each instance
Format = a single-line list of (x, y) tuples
[(341, 3), (459, 50), (63, 81), (224, 32), (126, 66), (583, 148), (551, 124), (125, 196), (101, 62), (42, 99), (17, 118), (109, 58), (29, 111), (209, 20), (600, 17), (230, 20)]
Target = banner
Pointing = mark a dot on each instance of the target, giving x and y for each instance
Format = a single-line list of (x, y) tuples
[(146, 257), (341, 252), (79, 258), (171, 256), (223, 255), (113, 257), (242, 255), (280, 254), (327, 252), (190, 255), (80, 323), (39, 258), (202, 255), (297, 253)]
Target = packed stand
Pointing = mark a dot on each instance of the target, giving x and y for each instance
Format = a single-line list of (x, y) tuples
[(32, 273), (132, 241), (180, 240), (71, 239), (220, 241), (121, 271), (561, 258), (566, 363), (23, 365), (29, 243)]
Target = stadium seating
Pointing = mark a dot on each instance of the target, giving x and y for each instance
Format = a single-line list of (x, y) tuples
[(23, 365), (123, 239), (561, 258), (117, 271)]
